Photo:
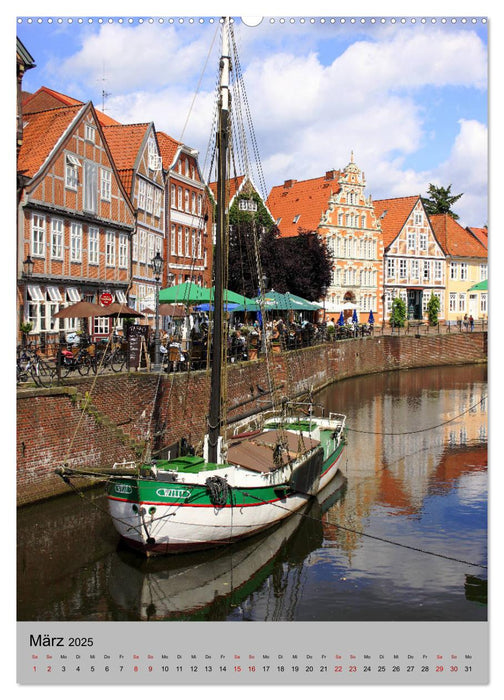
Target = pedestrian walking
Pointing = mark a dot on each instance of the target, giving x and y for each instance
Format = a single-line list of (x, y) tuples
[(471, 322), (466, 321)]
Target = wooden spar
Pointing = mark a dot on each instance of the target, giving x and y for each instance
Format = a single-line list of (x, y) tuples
[(215, 410)]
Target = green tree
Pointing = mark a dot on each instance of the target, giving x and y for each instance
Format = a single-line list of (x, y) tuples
[(398, 313), (440, 201), (307, 263), (433, 306)]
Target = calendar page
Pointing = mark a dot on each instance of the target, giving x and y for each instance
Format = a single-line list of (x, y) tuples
[(288, 483)]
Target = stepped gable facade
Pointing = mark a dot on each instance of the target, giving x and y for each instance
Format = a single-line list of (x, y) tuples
[(413, 260), (75, 220), (336, 207), (466, 265)]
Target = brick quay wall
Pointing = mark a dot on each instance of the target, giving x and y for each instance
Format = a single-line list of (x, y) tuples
[(93, 422)]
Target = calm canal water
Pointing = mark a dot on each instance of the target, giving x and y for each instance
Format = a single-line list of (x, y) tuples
[(404, 539)]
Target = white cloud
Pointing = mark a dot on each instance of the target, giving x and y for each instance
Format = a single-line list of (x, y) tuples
[(372, 98)]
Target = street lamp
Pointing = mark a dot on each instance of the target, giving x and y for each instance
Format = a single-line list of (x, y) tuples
[(157, 267), (28, 267)]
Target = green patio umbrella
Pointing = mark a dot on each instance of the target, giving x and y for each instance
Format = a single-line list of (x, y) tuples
[(480, 287), (190, 293)]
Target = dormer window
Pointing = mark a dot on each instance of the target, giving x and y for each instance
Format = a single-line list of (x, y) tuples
[(296, 218)]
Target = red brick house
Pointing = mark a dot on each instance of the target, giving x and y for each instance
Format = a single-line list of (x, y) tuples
[(188, 215), (136, 154), (75, 219), (335, 206)]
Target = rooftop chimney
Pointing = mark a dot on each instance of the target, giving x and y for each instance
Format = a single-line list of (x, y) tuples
[(289, 183), (330, 174)]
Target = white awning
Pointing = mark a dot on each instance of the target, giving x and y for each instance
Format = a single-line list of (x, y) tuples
[(35, 292), (55, 294), (73, 160), (73, 294)]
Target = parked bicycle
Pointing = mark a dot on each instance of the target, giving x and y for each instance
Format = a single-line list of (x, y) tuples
[(80, 360), (30, 366), (113, 355)]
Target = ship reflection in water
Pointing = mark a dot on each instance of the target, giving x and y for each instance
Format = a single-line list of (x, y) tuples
[(404, 539), (187, 586)]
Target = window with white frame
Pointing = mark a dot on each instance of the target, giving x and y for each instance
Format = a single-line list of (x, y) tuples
[(186, 201), (57, 239), (149, 202), (340, 218), (463, 271), (173, 197), (173, 239), (200, 204), (200, 237), (453, 301), (101, 325), (179, 198), (72, 164), (142, 246), (38, 235), (105, 184), (187, 252), (123, 250), (134, 252), (363, 221), (390, 268), (438, 270), (411, 240), (180, 250), (110, 249), (483, 303), (90, 132), (453, 270), (90, 203), (193, 242), (157, 203), (426, 270), (423, 241), (402, 268), (193, 202), (414, 269), (151, 247), (75, 242), (142, 186), (418, 218), (483, 272), (462, 302)]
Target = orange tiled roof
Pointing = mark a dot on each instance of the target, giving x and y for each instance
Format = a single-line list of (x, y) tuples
[(395, 213), (306, 199), (45, 98), (168, 147), (456, 240), (124, 141), (234, 184), (480, 233), (41, 133)]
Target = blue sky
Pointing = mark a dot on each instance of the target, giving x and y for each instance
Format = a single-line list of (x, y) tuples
[(408, 98)]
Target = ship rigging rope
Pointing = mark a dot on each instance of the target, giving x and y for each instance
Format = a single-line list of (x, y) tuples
[(181, 139), (420, 430)]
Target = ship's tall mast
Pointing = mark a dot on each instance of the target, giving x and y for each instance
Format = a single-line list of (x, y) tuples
[(215, 412)]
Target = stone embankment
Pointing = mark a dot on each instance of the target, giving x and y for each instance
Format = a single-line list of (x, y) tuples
[(97, 421)]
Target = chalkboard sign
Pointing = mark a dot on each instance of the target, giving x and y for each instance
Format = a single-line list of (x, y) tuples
[(138, 338)]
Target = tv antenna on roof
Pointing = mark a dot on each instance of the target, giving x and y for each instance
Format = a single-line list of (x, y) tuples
[(104, 94)]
